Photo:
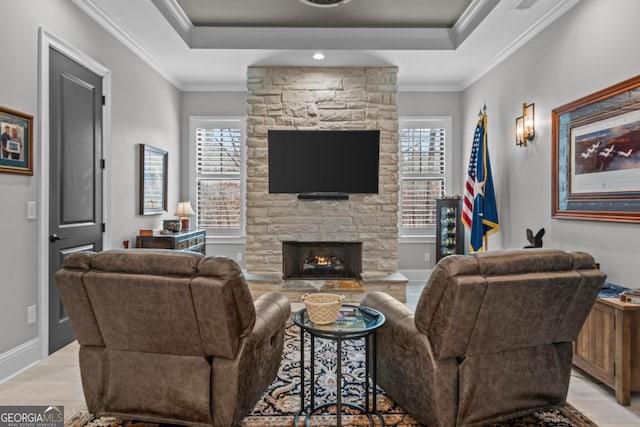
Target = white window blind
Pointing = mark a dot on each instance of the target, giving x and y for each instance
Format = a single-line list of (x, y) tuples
[(422, 175), (218, 177)]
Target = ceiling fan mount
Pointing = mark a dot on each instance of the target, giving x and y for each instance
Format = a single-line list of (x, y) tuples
[(324, 3)]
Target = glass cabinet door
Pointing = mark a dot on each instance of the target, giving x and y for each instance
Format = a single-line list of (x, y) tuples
[(449, 228)]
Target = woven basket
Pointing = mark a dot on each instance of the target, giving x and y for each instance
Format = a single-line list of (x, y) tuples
[(323, 308)]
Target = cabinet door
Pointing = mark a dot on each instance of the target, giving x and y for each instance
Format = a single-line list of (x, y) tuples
[(154, 242), (449, 231), (594, 347)]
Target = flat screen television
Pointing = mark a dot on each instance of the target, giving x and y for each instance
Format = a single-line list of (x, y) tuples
[(320, 162)]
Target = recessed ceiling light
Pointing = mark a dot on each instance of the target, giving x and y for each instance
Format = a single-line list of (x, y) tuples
[(318, 56)]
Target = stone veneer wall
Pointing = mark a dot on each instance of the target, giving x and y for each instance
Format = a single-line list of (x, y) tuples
[(322, 98)]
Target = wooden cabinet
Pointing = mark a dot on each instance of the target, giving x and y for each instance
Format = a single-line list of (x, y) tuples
[(449, 228), (608, 346), (194, 241)]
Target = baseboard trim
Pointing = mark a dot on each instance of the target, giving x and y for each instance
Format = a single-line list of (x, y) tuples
[(18, 359)]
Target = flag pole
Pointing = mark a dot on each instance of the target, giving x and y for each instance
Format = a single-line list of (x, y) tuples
[(485, 237), (479, 212)]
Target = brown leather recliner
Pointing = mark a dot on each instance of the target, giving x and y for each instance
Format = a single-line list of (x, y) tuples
[(171, 337), (491, 337)]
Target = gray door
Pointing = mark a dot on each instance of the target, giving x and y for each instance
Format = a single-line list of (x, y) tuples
[(75, 180)]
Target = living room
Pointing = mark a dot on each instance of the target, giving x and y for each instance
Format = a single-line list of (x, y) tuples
[(580, 50)]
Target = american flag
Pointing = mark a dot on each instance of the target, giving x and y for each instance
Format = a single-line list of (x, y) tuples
[(479, 210), (469, 188)]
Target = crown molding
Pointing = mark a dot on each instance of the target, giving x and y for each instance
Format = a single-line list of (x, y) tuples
[(559, 9), (452, 87), (176, 17), (95, 13), (214, 87), (285, 38), (178, 14), (471, 18), (232, 87)]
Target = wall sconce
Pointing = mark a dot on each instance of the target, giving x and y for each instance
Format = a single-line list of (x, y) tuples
[(525, 126)]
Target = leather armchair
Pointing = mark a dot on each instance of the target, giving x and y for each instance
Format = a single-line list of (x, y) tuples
[(491, 336), (171, 337)]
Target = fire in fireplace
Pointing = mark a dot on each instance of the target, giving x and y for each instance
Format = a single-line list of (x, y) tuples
[(322, 260), (322, 265)]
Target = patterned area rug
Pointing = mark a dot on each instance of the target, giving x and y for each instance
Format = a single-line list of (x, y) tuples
[(281, 402)]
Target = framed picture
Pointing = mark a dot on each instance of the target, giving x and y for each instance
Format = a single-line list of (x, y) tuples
[(16, 136), (596, 156), (153, 180)]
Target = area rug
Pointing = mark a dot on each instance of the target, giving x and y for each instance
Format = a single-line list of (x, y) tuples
[(281, 402)]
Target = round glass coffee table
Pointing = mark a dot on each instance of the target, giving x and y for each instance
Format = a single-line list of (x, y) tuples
[(354, 322)]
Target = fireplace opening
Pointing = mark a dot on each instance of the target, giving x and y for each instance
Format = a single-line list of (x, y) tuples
[(321, 260)]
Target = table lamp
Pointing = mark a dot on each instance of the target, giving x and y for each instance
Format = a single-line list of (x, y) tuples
[(184, 209)]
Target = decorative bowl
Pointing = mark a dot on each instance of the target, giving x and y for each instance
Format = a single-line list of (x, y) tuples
[(173, 225)]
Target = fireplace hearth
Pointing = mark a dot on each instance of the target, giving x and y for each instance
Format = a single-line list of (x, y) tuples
[(321, 260)]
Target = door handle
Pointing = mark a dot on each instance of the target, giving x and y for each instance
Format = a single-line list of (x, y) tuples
[(54, 237)]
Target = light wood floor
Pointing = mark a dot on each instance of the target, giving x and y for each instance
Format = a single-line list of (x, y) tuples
[(56, 381)]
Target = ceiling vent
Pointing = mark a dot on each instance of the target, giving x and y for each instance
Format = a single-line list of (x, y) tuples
[(324, 3)]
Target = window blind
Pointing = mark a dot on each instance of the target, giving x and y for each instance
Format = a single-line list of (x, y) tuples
[(422, 175), (219, 156)]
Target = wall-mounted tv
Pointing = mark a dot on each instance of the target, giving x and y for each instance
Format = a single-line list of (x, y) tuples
[(323, 161)]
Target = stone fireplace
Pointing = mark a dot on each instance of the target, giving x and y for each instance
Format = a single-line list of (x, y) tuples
[(321, 260), (310, 98)]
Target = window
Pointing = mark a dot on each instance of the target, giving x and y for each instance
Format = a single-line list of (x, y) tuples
[(219, 175), (423, 172)]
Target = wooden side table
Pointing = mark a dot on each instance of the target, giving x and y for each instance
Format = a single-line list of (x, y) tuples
[(190, 240), (608, 346)]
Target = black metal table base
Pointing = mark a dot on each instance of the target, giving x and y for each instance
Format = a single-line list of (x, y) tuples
[(370, 344), (307, 415)]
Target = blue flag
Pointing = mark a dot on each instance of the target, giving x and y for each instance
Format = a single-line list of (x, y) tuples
[(484, 217)]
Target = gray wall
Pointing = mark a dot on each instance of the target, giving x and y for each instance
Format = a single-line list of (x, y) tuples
[(592, 46), (212, 104), (412, 252), (145, 109), (425, 104)]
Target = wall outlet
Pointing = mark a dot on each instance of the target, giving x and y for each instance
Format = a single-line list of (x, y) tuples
[(238, 256), (31, 314), (427, 256)]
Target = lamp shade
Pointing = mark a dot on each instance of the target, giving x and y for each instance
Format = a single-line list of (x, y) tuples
[(184, 209)]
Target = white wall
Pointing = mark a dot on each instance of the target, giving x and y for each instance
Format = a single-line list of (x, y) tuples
[(145, 109), (591, 47)]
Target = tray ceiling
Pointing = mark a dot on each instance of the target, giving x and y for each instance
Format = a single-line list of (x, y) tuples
[(355, 13), (437, 45)]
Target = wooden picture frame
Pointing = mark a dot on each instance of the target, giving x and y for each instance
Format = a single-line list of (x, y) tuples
[(154, 164), (596, 156), (16, 142)]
